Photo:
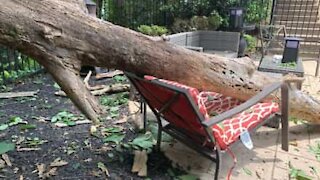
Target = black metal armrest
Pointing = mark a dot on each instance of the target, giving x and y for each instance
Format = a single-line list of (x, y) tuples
[(252, 101)]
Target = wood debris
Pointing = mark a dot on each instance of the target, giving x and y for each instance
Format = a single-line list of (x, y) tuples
[(58, 162), (135, 116), (17, 94), (120, 121), (5, 157), (140, 163), (27, 149), (58, 124), (109, 74), (102, 89)]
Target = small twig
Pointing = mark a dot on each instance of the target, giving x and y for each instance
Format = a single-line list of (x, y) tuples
[(109, 74), (86, 79)]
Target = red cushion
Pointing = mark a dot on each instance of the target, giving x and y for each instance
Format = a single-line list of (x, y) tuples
[(180, 113)]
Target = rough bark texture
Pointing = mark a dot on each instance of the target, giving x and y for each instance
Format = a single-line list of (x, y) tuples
[(62, 38)]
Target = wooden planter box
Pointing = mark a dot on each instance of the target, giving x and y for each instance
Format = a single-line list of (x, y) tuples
[(214, 42)]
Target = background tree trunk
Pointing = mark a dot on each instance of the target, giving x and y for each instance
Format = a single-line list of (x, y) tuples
[(63, 38)]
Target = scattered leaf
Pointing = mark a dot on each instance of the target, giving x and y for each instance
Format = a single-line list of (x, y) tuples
[(15, 120), (112, 130), (247, 171), (144, 141), (116, 138), (3, 127), (6, 147), (28, 126)]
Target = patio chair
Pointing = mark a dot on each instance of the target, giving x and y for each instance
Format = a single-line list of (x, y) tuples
[(186, 113)]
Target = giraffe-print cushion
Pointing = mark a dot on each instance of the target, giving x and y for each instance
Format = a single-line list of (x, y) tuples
[(212, 103)]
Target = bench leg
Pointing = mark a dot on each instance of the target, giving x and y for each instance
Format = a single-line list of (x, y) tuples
[(159, 135), (216, 174), (318, 66), (284, 117)]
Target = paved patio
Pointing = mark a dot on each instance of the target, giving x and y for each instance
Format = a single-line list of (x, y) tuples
[(267, 160)]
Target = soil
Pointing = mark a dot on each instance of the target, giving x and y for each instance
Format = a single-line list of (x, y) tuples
[(74, 144)]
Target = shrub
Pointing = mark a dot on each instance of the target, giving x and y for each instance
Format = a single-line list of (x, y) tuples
[(199, 22), (214, 20), (153, 30), (251, 42), (181, 25)]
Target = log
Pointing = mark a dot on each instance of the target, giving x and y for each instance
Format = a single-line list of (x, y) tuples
[(62, 38)]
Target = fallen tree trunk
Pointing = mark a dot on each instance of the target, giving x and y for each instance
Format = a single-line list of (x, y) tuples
[(63, 38)]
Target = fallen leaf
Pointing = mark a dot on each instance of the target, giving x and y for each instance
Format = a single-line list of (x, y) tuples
[(88, 160), (293, 143), (51, 172), (96, 173), (247, 171), (58, 162), (15, 170), (93, 130), (103, 168), (5, 147), (5, 157), (41, 169)]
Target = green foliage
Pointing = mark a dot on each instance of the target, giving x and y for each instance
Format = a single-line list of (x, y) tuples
[(251, 42), (119, 78), (132, 13), (15, 65), (6, 147), (214, 20), (113, 134), (298, 173), (153, 30), (315, 150), (288, 65), (65, 117), (14, 120), (257, 10), (144, 141)]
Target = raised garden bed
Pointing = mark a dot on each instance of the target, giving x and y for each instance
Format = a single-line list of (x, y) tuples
[(213, 42)]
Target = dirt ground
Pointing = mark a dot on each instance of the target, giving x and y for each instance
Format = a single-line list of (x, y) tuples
[(78, 154)]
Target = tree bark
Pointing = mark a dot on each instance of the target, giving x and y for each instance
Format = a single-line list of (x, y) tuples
[(63, 38)]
